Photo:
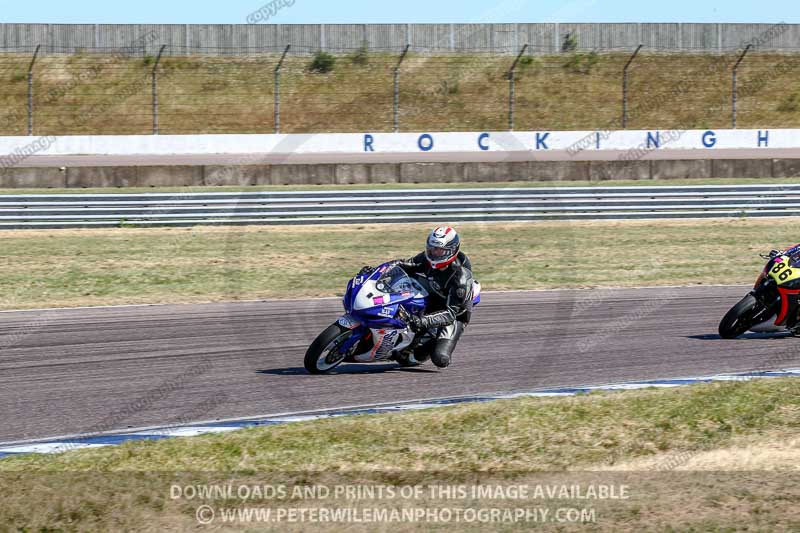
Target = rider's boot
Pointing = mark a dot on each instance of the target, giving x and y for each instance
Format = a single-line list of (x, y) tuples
[(407, 358), (414, 356)]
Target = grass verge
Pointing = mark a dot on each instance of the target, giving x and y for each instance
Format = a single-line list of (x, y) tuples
[(110, 94), (63, 268), (529, 441)]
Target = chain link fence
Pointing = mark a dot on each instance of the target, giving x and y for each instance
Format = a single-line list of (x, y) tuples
[(142, 89)]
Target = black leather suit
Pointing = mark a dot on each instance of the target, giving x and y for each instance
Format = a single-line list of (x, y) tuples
[(449, 305)]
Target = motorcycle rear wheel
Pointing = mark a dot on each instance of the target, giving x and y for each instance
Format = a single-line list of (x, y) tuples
[(323, 354), (741, 317)]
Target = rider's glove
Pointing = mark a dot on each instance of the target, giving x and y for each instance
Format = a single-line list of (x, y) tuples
[(364, 270), (775, 253), (416, 323)]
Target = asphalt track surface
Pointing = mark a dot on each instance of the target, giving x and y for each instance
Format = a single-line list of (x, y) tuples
[(77, 371)]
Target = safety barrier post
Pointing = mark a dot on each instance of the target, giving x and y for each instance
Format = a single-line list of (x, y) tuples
[(277, 91), (155, 89), (30, 90), (510, 75), (625, 87), (734, 82), (396, 92)]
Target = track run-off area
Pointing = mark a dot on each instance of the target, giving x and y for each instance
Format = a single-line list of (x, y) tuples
[(96, 370)]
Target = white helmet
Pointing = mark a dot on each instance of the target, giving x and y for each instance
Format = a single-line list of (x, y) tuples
[(442, 247)]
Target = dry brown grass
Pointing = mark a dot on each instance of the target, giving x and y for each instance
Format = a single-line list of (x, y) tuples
[(776, 451), (64, 268), (204, 94)]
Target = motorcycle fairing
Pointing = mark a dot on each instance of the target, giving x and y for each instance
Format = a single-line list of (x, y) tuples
[(789, 302), (784, 270), (370, 299), (349, 321), (385, 341), (372, 304)]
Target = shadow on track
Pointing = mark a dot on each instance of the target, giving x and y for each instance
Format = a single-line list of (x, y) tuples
[(370, 368), (746, 336)]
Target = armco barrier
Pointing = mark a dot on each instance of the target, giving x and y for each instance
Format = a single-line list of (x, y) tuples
[(394, 206)]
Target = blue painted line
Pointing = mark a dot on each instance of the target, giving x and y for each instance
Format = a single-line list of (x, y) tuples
[(768, 374), (676, 382), (456, 401), (117, 439), (239, 424), (260, 422), (58, 446)]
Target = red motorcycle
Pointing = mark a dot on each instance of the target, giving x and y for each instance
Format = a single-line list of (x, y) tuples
[(772, 305)]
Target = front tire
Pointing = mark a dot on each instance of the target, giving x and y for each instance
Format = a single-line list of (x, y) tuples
[(742, 316), (323, 354)]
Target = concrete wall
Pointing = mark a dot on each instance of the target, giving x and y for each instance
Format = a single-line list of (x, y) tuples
[(366, 174), (542, 38), (286, 150)]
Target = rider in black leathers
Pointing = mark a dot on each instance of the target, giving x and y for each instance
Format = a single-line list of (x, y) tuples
[(447, 274)]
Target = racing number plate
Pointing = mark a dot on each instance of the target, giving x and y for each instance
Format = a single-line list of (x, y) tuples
[(782, 272)]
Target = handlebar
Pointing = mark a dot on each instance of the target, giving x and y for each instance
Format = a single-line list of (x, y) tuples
[(772, 254)]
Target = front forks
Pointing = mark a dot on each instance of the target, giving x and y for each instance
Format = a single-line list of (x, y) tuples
[(766, 293), (353, 340)]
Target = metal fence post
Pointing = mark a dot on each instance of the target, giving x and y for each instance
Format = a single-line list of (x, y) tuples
[(277, 92), (396, 92), (625, 87), (30, 90), (155, 89), (511, 95), (734, 81)]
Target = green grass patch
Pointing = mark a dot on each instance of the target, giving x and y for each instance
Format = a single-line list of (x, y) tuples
[(65, 268)]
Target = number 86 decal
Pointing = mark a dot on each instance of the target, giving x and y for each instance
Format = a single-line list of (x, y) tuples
[(783, 276)]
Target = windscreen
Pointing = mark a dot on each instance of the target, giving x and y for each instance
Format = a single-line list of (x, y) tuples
[(396, 281)]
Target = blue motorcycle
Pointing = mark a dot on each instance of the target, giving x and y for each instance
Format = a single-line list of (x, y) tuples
[(375, 327)]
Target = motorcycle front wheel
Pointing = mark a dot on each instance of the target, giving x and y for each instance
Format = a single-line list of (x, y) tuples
[(741, 317), (323, 354)]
